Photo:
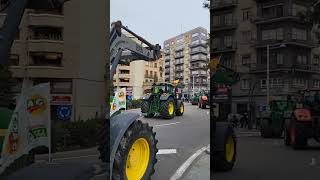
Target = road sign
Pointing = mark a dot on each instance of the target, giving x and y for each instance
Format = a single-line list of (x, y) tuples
[(64, 112)]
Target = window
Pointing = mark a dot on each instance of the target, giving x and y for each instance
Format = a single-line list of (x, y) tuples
[(195, 34), (245, 59), (272, 34), (47, 33), (299, 34), (155, 65), (46, 59), (246, 36), (216, 20), (300, 82), (296, 9), (315, 59), (302, 59), (246, 14), (276, 82), (228, 41), (279, 58), (14, 60), (228, 19), (147, 73), (263, 83), (215, 43), (244, 84), (316, 83)]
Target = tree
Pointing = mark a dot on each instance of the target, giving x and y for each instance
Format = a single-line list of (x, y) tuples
[(312, 15), (6, 85)]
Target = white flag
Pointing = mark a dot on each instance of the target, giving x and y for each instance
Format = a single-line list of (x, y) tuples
[(29, 126)]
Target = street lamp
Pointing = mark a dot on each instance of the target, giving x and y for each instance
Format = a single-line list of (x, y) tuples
[(268, 69)]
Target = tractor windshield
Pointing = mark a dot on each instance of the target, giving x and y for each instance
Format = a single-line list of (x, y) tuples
[(159, 88)]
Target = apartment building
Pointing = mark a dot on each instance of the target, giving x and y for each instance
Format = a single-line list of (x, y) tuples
[(49, 48), (242, 31), (186, 59), (138, 76)]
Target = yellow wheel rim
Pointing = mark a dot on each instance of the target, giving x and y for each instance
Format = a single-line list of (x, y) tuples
[(171, 108), (181, 109), (230, 149), (138, 159)]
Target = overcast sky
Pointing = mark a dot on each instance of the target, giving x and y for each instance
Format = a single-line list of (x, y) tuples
[(159, 20)]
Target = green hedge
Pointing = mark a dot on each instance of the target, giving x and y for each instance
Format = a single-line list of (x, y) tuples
[(134, 104)]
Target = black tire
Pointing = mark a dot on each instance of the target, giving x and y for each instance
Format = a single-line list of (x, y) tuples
[(286, 139), (265, 130), (135, 131), (164, 112), (220, 162), (300, 141), (178, 110), (145, 109)]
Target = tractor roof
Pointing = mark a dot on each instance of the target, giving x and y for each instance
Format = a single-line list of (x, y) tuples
[(164, 83)]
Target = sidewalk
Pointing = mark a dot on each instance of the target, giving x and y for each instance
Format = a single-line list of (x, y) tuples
[(71, 165), (200, 169)]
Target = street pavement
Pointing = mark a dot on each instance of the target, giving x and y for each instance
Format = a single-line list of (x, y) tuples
[(266, 159), (179, 138)]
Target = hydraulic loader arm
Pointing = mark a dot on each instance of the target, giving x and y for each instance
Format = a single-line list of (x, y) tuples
[(10, 27), (123, 49)]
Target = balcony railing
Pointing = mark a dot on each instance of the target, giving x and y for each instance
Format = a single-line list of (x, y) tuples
[(225, 48), (223, 25), (291, 68), (217, 4), (288, 38), (292, 13)]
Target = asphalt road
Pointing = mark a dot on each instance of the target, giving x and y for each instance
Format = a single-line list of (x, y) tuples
[(186, 134), (266, 159)]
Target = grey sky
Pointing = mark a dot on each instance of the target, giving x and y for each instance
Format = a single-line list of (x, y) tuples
[(159, 20)]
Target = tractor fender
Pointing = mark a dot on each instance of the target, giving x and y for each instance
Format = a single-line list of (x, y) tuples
[(118, 126), (165, 97), (221, 130), (146, 96)]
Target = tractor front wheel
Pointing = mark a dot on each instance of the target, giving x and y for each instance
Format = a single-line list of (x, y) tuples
[(265, 130), (145, 108), (167, 108), (180, 109), (136, 154)]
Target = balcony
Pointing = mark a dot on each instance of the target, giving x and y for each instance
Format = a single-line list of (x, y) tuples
[(181, 48), (126, 76), (179, 63), (180, 55), (262, 68), (45, 45), (196, 51), (179, 70), (225, 48), (200, 58), (45, 19), (287, 40), (198, 44), (223, 4), (124, 67), (224, 26), (287, 14)]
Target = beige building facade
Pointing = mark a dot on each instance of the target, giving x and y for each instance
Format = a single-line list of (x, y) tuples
[(54, 46)]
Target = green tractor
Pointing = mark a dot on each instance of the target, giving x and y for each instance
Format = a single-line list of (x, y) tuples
[(195, 99), (272, 120), (164, 100)]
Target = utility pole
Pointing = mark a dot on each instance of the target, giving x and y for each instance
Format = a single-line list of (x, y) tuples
[(268, 74)]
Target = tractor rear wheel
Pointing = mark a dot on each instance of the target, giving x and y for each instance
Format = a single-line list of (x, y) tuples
[(298, 139), (136, 154), (225, 160), (167, 108), (180, 109)]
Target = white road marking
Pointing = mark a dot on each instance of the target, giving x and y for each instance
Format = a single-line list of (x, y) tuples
[(182, 169), (79, 157), (167, 151), (160, 125)]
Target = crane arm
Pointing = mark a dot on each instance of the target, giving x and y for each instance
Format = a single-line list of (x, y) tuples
[(124, 49)]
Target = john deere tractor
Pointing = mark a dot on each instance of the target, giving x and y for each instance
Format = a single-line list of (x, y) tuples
[(272, 123), (164, 100)]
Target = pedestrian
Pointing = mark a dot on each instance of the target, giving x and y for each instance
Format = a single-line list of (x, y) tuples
[(242, 121), (235, 121)]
